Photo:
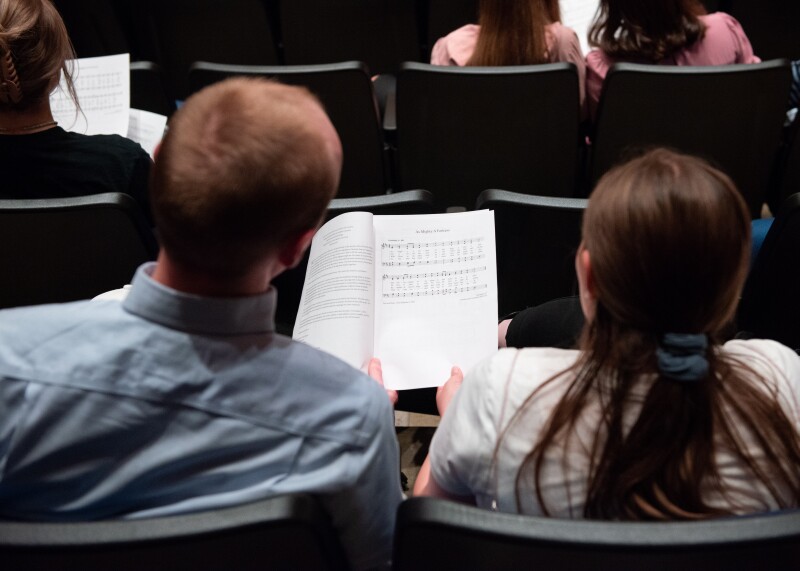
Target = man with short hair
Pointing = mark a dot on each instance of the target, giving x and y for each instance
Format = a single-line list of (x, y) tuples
[(182, 397)]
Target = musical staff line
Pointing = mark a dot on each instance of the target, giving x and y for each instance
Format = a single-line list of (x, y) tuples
[(431, 275), (433, 261), (419, 245), (433, 292)]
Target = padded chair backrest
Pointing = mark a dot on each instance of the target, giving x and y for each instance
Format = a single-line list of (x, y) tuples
[(94, 27), (537, 237), (285, 532), (225, 31), (462, 130), (770, 305), (770, 25), (437, 534), (57, 250), (788, 167), (731, 115), (290, 283), (381, 33), (149, 89), (444, 16), (346, 92)]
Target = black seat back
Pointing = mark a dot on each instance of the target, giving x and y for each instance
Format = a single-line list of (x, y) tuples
[(437, 534), (65, 249), (770, 305), (346, 92), (381, 33), (285, 532), (462, 130), (731, 115), (537, 238)]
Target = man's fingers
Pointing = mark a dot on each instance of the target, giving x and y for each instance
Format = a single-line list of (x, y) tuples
[(374, 370)]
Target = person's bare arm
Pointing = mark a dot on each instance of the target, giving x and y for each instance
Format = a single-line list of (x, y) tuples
[(425, 484), (502, 330)]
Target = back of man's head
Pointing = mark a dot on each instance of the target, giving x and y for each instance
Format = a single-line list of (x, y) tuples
[(247, 166)]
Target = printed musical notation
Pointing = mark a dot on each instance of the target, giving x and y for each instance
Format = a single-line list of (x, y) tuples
[(433, 274), (103, 88), (417, 245), (411, 263), (432, 253), (456, 275), (431, 292)]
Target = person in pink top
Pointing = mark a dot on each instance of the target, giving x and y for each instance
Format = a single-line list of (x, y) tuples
[(512, 33), (666, 32)]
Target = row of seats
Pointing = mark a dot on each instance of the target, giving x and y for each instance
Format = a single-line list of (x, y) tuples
[(293, 532), (76, 248), (457, 131), (174, 33), (467, 133)]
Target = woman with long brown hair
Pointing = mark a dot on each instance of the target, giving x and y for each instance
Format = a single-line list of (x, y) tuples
[(518, 32), (38, 158), (653, 418), (665, 32)]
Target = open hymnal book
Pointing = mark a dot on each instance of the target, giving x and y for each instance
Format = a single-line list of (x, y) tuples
[(417, 291)]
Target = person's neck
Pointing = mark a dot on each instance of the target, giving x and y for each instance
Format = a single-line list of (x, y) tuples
[(195, 282), (33, 120)]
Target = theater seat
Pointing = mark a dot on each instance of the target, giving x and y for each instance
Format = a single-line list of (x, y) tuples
[(461, 130), (66, 249), (282, 533), (437, 534), (731, 115), (347, 93), (537, 237), (770, 305)]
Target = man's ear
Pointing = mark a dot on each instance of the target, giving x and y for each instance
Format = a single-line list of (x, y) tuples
[(586, 262), (292, 251)]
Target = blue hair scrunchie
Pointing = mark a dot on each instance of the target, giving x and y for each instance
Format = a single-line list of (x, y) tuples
[(682, 356)]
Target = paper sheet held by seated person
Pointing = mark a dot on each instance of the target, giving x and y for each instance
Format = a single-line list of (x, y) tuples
[(417, 291)]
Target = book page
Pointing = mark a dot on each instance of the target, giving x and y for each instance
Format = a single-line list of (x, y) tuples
[(336, 308), (103, 85), (435, 295), (579, 15), (147, 129)]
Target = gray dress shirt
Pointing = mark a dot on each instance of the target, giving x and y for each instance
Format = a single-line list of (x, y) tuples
[(169, 403)]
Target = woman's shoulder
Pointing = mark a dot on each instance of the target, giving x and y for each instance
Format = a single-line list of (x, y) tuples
[(561, 32), (726, 39), (721, 20), (767, 352), (115, 146), (466, 31), (722, 25), (777, 364), (563, 43), (456, 47), (523, 370)]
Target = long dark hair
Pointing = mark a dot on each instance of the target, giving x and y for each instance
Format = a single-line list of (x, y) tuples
[(513, 32), (646, 30), (668, 240)]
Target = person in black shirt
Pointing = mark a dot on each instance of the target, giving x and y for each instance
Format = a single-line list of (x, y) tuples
[(38, 158)]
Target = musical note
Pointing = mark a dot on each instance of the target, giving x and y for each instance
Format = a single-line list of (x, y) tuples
[(433, 292), (429, 275)]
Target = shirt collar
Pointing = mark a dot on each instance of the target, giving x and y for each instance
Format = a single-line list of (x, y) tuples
[(175, 309)]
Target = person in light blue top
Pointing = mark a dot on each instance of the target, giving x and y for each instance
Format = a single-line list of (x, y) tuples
[(182, 397)]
